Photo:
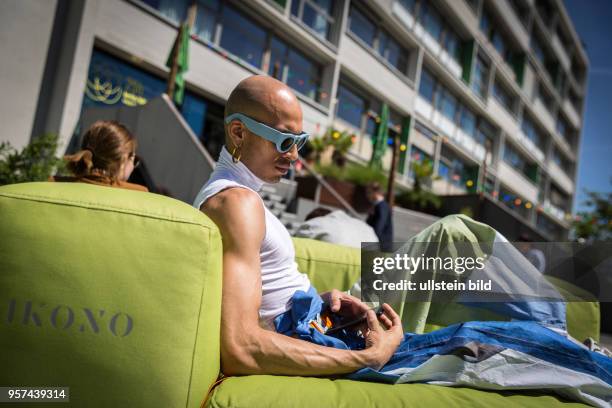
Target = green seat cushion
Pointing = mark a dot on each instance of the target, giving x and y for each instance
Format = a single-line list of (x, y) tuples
[(114, 293), (328, 266), (264, 391)]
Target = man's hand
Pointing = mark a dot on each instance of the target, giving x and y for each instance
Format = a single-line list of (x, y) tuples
[(380, 342), (347, 306)]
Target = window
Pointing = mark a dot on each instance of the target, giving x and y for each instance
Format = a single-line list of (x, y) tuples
[(452, 44), (377, 38), (293, 68), (417, 156), (484, 133), (545, 97), (206, 19), (562, 162), (390, 50), (519, 163), (485, 23), (371, 125), (522, 10), (408, 5), (481, 77), (503, 96), (447, 104), (558, 198), (175, 10), (362, 27), (351, 107), (452, 169), (427, 85), (538, 49), (424, 130), (431, 20), (530, 130), (242, 37), (316, 14), (468, 121), (563, 129), (497, 38)]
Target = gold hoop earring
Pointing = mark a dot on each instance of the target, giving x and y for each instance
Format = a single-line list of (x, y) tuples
[(234, 158)]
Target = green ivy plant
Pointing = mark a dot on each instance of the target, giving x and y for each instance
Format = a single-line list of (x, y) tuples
[(35, 162)]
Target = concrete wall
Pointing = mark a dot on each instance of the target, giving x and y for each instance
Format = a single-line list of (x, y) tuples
[(25, 29)]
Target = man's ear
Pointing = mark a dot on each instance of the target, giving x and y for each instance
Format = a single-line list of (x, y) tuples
[(235, 131)]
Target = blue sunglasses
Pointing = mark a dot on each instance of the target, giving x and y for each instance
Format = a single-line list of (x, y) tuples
[(283, 141)]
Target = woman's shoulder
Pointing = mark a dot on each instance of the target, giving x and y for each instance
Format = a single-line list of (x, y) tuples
[(99, 182), (132, 186)]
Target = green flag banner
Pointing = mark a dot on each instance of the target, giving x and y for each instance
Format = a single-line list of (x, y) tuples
[(382, 134), (182, 63)]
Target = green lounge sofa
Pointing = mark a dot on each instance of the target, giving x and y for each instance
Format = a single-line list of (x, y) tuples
[(117, 295)]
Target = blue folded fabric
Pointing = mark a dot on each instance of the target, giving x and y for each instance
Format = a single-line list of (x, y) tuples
[(471, 340)]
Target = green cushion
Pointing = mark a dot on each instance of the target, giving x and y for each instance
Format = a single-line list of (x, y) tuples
[(264, 391), (124, 292), (328, 266)]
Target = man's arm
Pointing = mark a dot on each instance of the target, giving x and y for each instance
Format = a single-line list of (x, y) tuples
[(246, 348)]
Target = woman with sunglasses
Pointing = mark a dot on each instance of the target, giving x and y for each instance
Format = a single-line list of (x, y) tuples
[(107, 157)]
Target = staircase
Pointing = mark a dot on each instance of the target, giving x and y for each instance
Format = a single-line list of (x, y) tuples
[(276, 198)]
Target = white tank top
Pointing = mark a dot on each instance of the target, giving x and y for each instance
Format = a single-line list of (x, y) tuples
[(280, 277)]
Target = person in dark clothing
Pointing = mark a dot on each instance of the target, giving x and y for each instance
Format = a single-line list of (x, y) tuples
[(380, 217)]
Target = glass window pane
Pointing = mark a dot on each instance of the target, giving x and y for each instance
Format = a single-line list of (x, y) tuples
[(278, 53), (242, 37), (426, 87), (315, 20), (175, 10), (431, 21), (194, 112), (326, 5), (303, 74), (447, 104), (468, 121), (362, 27), (295, 7), (204, 26), (481, 75), (408, 4), (503, 96), (351, 107), (371, 126), (451, 44)]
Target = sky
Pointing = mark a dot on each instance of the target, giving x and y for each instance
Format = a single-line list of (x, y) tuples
[(593, 22)]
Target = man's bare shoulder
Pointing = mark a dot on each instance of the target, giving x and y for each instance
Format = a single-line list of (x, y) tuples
[(236, 211), (233, 199)]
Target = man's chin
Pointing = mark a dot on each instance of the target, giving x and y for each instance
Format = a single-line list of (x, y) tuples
[(272, 179)]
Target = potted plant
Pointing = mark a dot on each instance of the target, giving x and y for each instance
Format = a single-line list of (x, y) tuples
[(418, 198)]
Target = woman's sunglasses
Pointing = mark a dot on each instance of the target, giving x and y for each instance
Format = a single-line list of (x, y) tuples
[(284, 141)]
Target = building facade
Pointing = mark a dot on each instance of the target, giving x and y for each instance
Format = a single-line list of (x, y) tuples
[(490, 91)]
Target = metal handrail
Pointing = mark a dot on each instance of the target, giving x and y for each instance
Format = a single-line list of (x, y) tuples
[(329, 188)]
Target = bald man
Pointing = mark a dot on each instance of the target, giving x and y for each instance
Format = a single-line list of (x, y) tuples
[(263, 132)]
